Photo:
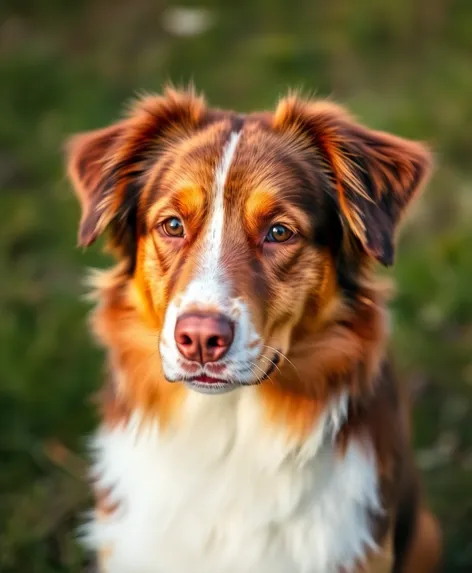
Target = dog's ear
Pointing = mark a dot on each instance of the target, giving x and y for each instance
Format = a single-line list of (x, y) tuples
[(107, 167), (89, 157), (372, 175)]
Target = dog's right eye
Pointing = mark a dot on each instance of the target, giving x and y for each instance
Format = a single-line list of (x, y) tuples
[(173, 227)]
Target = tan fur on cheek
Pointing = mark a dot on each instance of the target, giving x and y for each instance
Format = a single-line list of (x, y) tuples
[(141, 288), (326, 359), (149, 286), (304, 314), (138, 381)]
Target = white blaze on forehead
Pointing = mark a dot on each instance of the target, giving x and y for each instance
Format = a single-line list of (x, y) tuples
[(214, 237), (208, 284)]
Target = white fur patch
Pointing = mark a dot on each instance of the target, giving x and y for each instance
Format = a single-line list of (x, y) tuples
[(210, 275), (221, 492)]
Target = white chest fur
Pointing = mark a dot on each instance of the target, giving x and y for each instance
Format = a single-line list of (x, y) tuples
[(223, 493)]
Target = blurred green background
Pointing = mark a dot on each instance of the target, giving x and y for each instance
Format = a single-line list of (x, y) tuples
[(400, 65)]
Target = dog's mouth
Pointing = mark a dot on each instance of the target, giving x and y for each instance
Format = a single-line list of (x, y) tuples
[(210, 384)]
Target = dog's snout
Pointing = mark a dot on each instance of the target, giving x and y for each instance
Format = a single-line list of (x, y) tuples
[(203, 337)]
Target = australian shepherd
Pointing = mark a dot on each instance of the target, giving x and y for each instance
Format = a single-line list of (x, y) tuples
[(251, 422)]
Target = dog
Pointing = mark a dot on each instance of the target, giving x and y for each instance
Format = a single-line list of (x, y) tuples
[(251, 418)]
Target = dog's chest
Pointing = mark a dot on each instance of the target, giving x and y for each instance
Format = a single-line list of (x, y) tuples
[(224, 493)]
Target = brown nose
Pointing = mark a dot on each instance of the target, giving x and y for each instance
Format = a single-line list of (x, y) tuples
[(203, 337)]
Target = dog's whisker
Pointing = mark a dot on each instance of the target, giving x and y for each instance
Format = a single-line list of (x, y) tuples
[(283, 356), (272, 362), (258, 378)]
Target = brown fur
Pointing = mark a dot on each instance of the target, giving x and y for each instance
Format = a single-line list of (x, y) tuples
[(341, 187)]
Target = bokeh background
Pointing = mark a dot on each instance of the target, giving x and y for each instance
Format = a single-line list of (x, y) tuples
[(400, 65)]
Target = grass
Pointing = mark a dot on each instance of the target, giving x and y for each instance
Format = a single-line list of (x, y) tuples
[(399, 65)]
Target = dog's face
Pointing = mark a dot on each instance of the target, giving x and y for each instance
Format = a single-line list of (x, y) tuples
[(236, 245), (241, 232)]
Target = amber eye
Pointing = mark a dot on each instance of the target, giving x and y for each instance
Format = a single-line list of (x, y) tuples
[(279, 234), (173, 227)]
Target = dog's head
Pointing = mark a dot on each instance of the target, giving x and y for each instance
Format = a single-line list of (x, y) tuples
[(241, 233)]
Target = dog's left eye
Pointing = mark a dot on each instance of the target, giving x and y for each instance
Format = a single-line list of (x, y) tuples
[(278, 234)]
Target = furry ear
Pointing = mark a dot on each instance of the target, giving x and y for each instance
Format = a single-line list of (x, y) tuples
[(107, 166), (372, 175), (88, 158)]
